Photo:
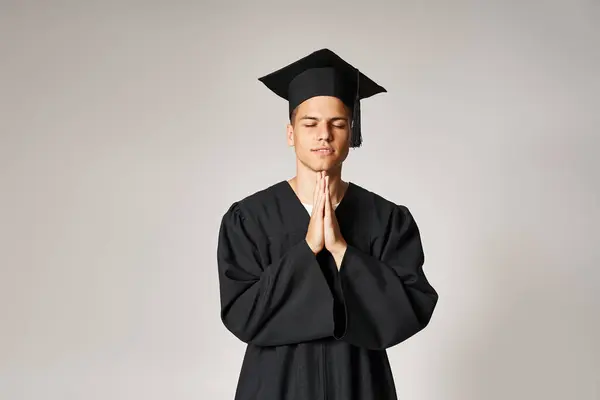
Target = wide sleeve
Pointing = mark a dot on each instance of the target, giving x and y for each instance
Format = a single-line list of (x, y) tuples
[(285, 302), (385, 297)]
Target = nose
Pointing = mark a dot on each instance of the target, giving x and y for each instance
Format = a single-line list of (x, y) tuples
[(324, 131)]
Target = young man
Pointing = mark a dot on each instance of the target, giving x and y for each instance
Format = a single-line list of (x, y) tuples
[(320, 276)]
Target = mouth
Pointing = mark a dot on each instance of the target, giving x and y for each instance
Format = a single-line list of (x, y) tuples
[(323, 151)]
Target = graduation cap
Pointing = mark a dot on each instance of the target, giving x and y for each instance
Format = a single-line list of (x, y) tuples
[(323, 73)]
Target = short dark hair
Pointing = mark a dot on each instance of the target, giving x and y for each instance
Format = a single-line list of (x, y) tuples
[(293, 116)]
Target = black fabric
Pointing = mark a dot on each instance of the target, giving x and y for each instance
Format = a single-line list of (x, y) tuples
[(314, 332), (320, 82)]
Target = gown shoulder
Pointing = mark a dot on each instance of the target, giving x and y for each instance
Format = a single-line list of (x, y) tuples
[(375, 210)]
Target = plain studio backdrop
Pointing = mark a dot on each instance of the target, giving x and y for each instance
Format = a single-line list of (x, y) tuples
[(128, 129)]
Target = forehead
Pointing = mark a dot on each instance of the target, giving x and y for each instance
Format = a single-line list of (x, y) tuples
[(323, 105)]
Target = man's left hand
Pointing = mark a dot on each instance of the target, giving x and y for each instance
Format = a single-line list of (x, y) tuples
[(334, 241)]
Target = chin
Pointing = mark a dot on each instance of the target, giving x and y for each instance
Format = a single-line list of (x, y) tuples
[(326, 166), (320, 165)]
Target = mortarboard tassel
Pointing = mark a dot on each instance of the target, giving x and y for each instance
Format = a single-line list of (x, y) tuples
[(355, 135)]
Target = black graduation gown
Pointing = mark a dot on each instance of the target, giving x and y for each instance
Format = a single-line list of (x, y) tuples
[(314, 332)]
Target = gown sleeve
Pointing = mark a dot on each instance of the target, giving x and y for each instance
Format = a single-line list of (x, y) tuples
[(285, 302), (385, 297)]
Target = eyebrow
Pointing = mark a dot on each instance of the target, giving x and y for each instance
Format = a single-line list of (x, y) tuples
[(332, 119)]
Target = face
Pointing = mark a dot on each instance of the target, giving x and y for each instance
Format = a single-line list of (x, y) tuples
[(320, 122)]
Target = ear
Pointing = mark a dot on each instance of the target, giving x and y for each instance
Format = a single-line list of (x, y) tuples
[(290, 134)]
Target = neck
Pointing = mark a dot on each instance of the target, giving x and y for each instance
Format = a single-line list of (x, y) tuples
[(304, 184)]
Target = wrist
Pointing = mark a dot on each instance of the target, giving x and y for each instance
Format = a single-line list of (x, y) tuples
[(338, 255), (311, 247), (339, 250)]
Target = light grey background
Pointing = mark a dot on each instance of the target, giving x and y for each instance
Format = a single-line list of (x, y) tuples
[(127, 129)]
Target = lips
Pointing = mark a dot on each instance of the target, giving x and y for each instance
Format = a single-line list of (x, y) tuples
[(324, 150)]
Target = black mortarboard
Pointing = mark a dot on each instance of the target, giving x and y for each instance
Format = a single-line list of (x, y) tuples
[(323, 73)]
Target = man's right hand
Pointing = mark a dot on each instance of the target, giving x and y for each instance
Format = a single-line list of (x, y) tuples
[(314, 236)]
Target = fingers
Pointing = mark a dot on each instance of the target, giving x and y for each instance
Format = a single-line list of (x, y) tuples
[(327, 198), (317, 195), (316, 191), (321, 197), (322, 192)]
